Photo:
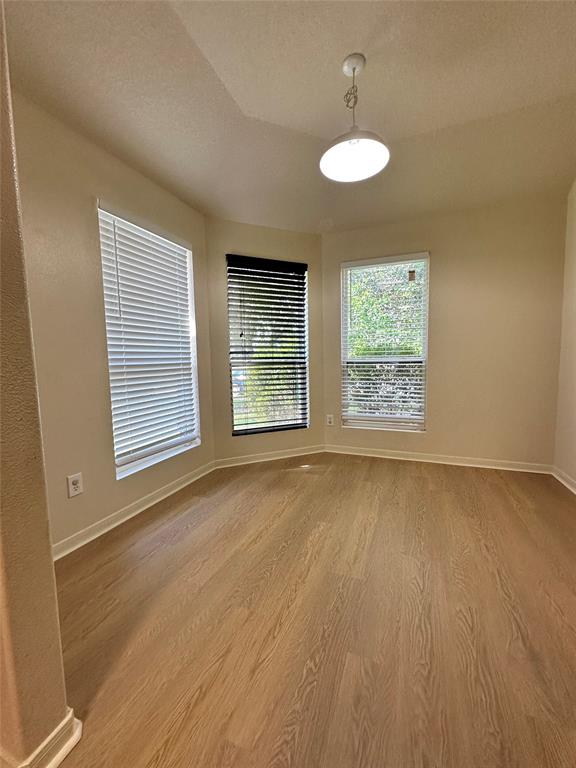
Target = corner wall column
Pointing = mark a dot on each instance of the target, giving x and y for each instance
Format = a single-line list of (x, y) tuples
[(37, 729)]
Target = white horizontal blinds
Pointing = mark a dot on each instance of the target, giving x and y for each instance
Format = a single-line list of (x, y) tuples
[(267, 314), (384, 339), (151, 340)]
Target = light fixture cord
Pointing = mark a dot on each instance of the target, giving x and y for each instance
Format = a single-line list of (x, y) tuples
[(351, 97)]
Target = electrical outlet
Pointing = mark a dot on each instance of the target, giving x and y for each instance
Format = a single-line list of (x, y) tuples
[(329, 420), (75, 484)]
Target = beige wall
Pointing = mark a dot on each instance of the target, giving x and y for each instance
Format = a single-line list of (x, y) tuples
[(495, 295), (62, 175), (227, 237), (565, 453)]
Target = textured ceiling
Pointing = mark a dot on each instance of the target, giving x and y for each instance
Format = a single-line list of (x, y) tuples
[(430, 65), (228, 105)]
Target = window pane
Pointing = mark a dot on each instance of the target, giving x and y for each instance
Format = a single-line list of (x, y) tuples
[(387, 309), (267, 310), (151, 341), (384, 335)]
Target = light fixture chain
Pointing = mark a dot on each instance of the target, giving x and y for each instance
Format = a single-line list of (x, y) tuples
[(351, 96)]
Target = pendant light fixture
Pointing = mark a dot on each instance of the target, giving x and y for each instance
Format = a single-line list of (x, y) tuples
[(357, 154)]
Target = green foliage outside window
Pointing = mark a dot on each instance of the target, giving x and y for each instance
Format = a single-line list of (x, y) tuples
[(386, 309)]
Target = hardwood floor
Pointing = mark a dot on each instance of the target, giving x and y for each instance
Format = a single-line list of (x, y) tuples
[(329, 611)]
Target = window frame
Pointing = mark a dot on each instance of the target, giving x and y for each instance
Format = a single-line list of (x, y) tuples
[(378, 422), (240, 432), (128, 466)]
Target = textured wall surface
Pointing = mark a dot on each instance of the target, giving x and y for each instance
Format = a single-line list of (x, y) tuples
[(62, 178), (228, 237), (32, 693), (565, 453), (494, 328)]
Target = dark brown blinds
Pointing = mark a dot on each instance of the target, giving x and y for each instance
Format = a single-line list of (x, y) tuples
[(267, 316)]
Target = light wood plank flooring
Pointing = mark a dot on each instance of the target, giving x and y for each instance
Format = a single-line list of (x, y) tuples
[(329, 611)]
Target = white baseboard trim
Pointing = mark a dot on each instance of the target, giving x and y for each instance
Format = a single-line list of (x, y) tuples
[(564, 478), (95, 530), (68, 545), (56, 746), (237, 461), (82, 537), (436, 458)]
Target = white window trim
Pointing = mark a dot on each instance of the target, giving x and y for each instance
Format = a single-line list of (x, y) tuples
[(125, 470), (139, 463), (365, 422), (394, 259)]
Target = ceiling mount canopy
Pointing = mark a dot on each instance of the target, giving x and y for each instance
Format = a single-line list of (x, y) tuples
[(357, 154)]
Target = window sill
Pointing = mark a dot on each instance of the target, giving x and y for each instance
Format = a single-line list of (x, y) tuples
[(384, 427), (136, 466), (268, 430)]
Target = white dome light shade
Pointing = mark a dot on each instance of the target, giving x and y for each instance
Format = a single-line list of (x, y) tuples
[(354, 156)]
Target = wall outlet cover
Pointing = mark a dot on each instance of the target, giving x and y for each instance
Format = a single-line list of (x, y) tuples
[(75, 484)]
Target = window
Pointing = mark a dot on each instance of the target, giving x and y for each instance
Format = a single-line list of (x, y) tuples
[(384, 340), (151, 335), (267, 314)]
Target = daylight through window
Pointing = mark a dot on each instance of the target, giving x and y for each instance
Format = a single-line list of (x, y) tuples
[(151, 335), (384, 343), (267, 311)]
